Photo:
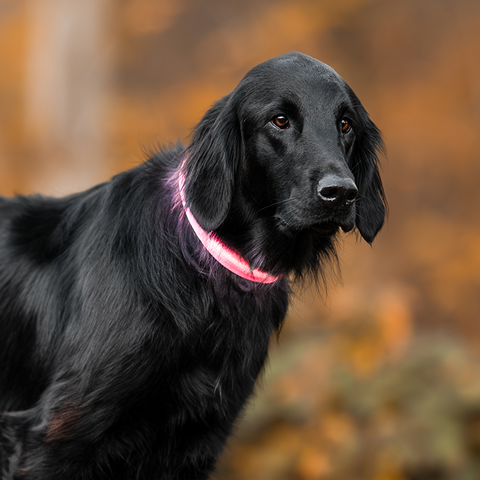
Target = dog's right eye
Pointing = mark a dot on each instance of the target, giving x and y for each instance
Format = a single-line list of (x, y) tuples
[(281, 121)]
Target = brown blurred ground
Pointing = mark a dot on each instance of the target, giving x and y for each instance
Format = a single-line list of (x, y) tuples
[(86, 86)]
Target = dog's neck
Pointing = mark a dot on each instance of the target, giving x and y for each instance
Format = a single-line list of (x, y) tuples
[(219, 250)]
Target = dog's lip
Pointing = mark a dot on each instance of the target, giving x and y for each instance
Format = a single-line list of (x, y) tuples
[(347, 228), (326, 228)]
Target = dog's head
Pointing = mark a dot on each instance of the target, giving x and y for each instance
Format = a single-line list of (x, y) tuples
[(291, 153)]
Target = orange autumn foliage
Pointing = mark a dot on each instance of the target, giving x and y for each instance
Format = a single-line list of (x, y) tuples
[(362, 385)]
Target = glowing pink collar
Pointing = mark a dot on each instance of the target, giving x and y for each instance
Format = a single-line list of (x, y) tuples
[(219, 250)]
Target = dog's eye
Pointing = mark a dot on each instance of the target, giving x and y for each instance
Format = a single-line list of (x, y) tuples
[(281, 121), (345, 125)]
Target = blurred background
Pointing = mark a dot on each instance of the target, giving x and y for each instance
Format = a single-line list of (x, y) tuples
[(379, 377)]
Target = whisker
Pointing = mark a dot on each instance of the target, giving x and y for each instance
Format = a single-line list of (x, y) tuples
[(276, 203)]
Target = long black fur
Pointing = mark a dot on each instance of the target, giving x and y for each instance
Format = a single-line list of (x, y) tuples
[(126, 351)]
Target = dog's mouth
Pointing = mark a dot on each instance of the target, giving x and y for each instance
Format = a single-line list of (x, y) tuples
[(325, 228), (331, 228)]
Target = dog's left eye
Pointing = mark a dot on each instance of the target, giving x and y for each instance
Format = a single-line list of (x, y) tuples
[(281, 121), (345, 125)]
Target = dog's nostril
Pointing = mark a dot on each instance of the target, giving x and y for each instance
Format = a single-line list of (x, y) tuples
[(329, 193), (352, 195), (336, 191)]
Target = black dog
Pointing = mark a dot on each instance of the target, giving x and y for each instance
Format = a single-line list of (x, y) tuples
[(127, 349)]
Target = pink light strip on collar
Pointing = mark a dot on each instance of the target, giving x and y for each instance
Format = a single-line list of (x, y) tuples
[(219, 250)]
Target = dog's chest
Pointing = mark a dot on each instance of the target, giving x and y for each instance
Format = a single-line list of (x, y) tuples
[(228, 354)]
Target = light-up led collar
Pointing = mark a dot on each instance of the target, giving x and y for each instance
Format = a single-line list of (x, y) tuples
[(219, 250)]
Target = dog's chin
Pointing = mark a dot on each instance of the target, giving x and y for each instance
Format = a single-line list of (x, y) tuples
[(327, 229)]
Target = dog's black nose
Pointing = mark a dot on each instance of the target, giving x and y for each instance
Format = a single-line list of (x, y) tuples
[(336, 191)]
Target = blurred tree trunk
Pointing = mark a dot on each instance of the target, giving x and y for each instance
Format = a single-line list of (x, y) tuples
[(67, 71)]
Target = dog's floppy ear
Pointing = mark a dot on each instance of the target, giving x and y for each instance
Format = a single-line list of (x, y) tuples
[(371, 202), (213, 156)]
